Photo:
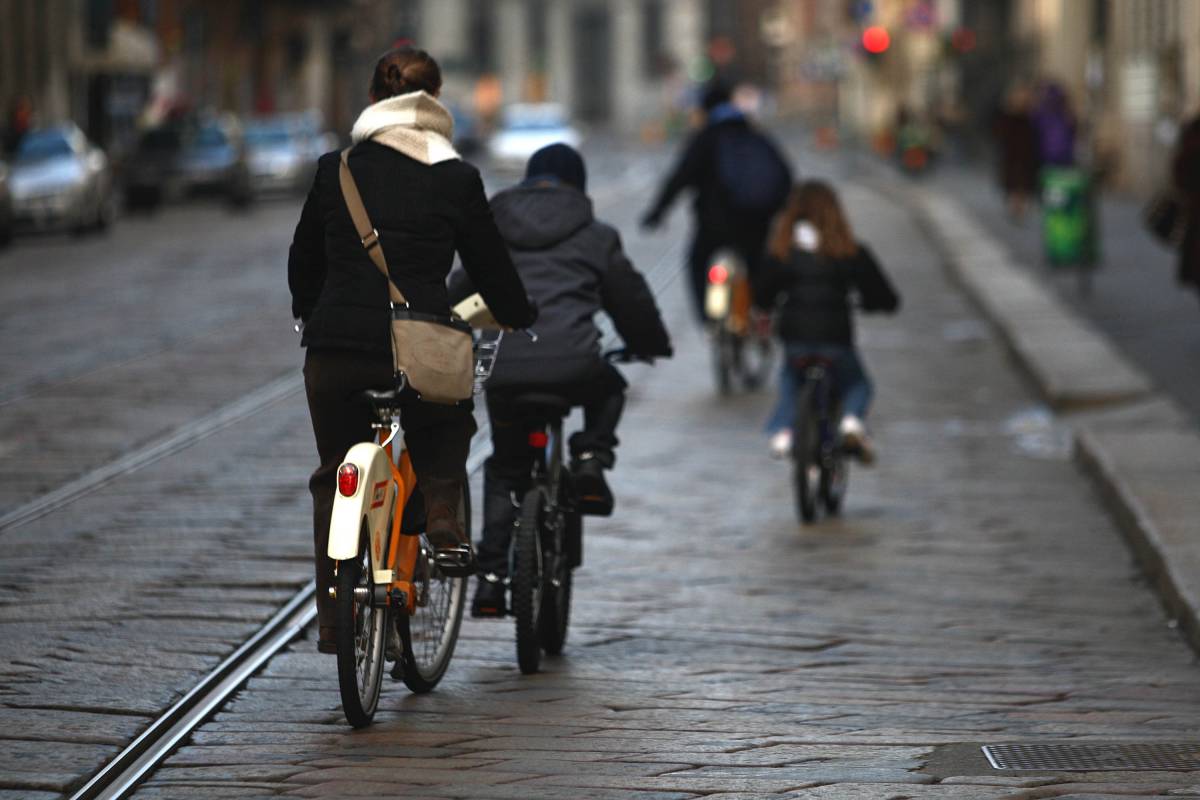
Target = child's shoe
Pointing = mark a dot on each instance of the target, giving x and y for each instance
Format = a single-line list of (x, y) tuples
[(595, 498), (855, 439), (781, 443)]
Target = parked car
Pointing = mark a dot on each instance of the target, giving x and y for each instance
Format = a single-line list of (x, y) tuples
[(58, 178), (280, 155), (466, 131), (6, 207), (213, 160), (526, 128)]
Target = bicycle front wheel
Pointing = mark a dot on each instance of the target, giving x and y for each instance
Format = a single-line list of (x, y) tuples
[(555, 613), (806, 443), (361, 629), (429, 635), (527, 580)]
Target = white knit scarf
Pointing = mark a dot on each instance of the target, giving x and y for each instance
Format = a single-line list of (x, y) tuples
[(415, 124)]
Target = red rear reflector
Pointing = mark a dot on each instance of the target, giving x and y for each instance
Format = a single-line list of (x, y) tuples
[(718, 274), (538, 439), (347, 480)]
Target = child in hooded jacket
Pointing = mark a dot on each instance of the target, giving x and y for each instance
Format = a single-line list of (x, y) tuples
[(814, 273), (573, 266)]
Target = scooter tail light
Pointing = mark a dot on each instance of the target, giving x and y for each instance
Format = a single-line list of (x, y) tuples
[(718, 274), (538, 439), (347, 479)]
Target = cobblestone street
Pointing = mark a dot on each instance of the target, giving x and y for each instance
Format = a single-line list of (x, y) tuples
[(975, 590)]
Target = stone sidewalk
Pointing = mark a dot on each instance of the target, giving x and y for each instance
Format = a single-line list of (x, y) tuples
[(1137, 444), (975, 592)]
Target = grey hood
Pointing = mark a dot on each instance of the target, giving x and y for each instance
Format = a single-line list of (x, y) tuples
[(540, 216)]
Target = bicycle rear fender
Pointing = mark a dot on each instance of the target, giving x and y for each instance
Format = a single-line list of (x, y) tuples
[(372, 502)]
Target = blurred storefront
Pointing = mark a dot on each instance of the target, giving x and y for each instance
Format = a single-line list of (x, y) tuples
[(607, 61)]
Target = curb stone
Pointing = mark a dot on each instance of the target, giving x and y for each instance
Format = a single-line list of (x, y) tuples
[(1141, 450)]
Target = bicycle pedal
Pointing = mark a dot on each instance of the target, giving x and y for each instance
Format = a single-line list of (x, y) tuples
[(457, 561)]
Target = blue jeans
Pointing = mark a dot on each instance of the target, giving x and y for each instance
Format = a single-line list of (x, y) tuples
[(853, 384)]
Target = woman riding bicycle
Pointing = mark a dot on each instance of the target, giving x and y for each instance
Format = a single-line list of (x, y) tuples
[(814, 267), (426, 204)]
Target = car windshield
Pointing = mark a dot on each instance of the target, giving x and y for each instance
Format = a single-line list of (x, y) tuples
[(210, 136), (42, 146), (267, 136), (534, 119)]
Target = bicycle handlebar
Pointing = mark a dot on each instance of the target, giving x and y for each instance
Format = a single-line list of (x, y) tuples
[(623, 356)]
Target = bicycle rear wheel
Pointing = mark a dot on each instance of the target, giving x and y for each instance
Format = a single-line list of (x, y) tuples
[(429, 635), (835, 473), (527, 579), (724, 356), (555, 614), (361, 629), (806, 443)]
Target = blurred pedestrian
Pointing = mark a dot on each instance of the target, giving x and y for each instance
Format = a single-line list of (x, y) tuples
[(1056, 127), (426, 204), (740, 179), (20, 120), (1185, 174), (574, 267), (813, 268), (1017, 149)]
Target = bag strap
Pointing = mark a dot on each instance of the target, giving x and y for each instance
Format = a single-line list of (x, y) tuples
[(362, 225)]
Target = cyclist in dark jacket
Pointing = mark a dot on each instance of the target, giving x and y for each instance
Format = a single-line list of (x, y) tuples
[(720, 221), (426, 204), (573, 266), (813, 269)]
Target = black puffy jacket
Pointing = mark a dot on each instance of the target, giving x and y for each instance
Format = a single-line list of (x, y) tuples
[(573, 266), (423, 213), (813, 294)]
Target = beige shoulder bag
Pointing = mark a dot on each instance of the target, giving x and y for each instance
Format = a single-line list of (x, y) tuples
[(434, 352)]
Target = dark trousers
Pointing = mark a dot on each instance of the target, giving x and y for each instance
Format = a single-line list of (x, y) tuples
[(746, 239), (438, 438), (507, 472)]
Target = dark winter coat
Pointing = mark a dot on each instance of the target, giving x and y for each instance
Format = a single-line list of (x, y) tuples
[(697, 170), (573, 266), (1017, 146), (423, 213), (814, 293), (1185, 174)]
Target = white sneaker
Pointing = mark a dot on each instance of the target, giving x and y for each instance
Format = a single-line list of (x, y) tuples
[(855, 438), (781, 443)]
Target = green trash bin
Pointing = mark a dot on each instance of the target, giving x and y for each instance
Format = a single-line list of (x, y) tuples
[(1068, 217)]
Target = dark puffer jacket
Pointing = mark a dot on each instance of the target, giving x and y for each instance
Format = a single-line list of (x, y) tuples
[(814, 293), (423, 213), (573, 266)]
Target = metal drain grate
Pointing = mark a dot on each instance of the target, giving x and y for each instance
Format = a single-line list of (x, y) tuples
[(1183, 756)]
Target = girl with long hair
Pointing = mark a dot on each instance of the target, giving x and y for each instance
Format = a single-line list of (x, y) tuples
[(815, 268)]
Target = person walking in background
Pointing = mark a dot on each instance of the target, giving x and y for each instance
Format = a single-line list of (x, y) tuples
[(1185, 175), (1056, 127), (1017, 150), (574, 267), (813, 267), (426, 204), (740, 178)]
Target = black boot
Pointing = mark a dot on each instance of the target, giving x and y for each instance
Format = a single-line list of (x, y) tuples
[(452, 549), (591, 490), (491, 597)]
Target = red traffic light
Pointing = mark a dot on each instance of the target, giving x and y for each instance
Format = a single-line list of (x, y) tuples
[(875, 39)]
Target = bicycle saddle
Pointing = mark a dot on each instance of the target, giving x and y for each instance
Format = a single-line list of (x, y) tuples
[(548, 405), (381, 401), (805, 361)]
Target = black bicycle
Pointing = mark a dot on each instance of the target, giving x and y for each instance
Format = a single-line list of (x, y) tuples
[(547, 541), (821, 467)]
